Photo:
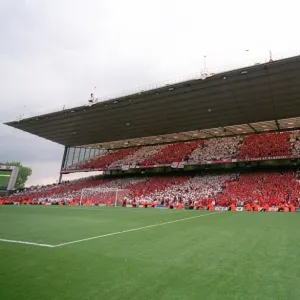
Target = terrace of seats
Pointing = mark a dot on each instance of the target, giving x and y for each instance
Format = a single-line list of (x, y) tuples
[(220, 189), (263, 145), (262, 187)]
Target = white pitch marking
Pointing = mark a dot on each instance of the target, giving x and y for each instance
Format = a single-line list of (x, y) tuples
[(27, 243), (134, 229)]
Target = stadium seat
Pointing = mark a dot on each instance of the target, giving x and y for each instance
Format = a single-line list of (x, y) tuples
[(217, 149), (295, 142), (103, 161), (176, 152), (261, 188), (266, 145), (272, 188), (252, 146), (136, 158)]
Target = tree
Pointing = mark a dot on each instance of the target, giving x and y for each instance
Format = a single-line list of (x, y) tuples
[(24, 173)]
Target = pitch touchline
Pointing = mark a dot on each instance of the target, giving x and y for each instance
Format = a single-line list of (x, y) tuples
[(27, 243), (105, 235), (130, 230)]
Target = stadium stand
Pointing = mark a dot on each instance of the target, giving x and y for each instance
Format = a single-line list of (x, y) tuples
[(54, 193), (187, 136), (153, 185), (223, 190), (259, 145), (295, 141), (105, 194), (266, 145), (142, 154), (272, 188), (105, 160), (176, 152), (218, 149), (197, 188)]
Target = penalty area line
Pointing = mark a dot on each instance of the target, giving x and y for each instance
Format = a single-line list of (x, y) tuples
[(26, 243), (134, 229)]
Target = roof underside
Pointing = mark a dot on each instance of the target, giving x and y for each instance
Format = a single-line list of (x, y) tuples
[(196, 109), (242, 129)]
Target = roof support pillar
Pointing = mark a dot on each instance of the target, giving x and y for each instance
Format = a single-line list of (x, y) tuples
[(63, 163), (226, 129), (252, 128), (277, 125), (211, 135)]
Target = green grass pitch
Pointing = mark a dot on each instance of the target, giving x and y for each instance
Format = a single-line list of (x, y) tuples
[(223, 256), (4, 179)]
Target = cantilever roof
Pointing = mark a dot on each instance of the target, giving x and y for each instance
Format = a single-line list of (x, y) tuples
[(260, 93), (242, 129)]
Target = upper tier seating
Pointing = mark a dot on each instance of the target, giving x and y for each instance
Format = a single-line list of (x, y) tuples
[(135, 158), (295, 141), (252, 146), (108, 158), (266, 145), (217, 149), (173, 153)]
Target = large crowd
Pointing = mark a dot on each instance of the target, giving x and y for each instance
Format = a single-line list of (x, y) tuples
[(251, 146), (103, 161), (191, 189), (176, 152), (295, 141), (272, 188), (263, 189), (136, 158), (266, 145), (257, 188), (218, 149)]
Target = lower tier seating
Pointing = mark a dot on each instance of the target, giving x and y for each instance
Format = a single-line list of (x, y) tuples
[(272, 188)]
